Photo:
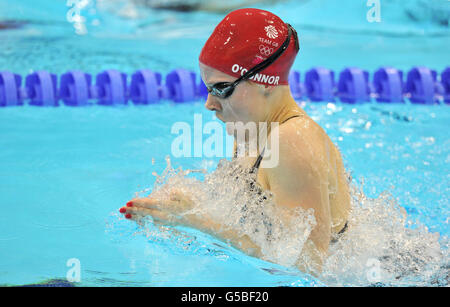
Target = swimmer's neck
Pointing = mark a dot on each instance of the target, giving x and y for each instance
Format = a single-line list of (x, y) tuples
[(280, 107)]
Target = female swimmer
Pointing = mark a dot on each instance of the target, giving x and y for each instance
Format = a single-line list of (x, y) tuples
[(245, 65)]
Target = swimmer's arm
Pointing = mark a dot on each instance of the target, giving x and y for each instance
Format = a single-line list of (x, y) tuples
[(207, 224), (175, 211), (230, 236)]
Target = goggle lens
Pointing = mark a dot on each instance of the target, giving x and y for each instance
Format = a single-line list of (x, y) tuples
[(221, 89)]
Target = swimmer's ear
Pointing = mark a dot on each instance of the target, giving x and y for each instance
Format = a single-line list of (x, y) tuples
[(264, 89), (268, 90)]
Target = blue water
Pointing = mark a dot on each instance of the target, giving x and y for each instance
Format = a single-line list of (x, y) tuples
[(64, 172)]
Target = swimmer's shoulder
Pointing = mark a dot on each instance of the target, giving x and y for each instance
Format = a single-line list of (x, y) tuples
[(294, 149), (302, 140), (300, 131)]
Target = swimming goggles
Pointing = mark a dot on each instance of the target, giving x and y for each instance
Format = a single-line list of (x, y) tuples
[(225, 89)]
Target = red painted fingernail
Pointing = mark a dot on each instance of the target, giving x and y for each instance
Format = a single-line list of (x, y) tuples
[(128, 216), (122, 210), (130, 204)]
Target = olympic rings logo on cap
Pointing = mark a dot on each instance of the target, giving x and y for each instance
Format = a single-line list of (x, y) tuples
[(265, 50)]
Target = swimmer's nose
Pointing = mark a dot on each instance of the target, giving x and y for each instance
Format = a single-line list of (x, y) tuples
[(213, 104)]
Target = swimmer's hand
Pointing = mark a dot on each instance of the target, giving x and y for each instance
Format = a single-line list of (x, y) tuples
[(175, 211), (171, 211)]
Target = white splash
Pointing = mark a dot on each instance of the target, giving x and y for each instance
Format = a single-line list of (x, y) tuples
[(379, 231)]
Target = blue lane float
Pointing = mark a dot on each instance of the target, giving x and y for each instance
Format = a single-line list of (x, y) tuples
[(10, 89), (181, 85), (388, 85), (420, 85), (295, 85), (41, 89), (146, 87), (319, 83), (445, 81), (353, 86), (112, 87), (202, 90), (75, 88)]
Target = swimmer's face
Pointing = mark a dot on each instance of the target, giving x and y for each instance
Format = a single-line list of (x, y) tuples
[(244, 105)]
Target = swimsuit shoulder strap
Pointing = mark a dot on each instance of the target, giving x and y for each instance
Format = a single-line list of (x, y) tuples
[(257, 162), (260, 157), (293, 116)]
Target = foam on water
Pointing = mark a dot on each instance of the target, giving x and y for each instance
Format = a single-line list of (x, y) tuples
[(380, 247), (224, 195), (381, 237)]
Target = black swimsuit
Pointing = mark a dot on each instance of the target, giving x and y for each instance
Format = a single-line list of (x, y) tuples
[(254, 186)]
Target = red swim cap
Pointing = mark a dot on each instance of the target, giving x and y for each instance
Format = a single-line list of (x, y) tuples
[(245, 38)]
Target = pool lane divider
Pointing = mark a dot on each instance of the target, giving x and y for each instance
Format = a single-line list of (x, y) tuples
[(111, 87)]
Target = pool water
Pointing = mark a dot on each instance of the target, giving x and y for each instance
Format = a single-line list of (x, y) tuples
[(65, 171)]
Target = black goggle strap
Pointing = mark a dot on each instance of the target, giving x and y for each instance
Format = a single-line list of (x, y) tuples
[(261, 66), (297, 47)]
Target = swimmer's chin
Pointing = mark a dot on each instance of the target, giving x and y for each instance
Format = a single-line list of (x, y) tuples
[(219, 116)]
